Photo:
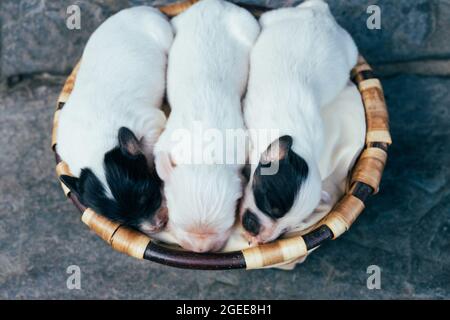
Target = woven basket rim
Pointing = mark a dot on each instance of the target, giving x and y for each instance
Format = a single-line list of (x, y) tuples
[(364, 181)]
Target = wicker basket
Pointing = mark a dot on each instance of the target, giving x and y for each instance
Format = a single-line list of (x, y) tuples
[(364, 181)]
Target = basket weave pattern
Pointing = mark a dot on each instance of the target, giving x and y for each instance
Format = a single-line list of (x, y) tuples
[(365, 181)]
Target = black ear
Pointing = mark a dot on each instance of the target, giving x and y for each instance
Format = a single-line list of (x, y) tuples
[(71, 182), (285, 142), (277, 150), (128, 142)]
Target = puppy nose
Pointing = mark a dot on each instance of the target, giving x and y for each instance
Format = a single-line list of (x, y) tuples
[(156, 224), (202, 244), (200, 248), (251, 223)]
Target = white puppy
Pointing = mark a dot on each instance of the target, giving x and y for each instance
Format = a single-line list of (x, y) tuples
[(300, 62), (112, 119), (207, 75)]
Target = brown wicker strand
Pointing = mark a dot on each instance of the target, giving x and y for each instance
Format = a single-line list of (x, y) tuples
[(63, 96), (369, 168), (121, 238), (68, 86), (174, 9), (362, 71), (343, 214), (55, 128), (63, 169), (274, 253), (130, 241), (377, 118), (101, 225)]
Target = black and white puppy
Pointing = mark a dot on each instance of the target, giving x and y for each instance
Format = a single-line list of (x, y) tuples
[(112, 119), (300, 62)]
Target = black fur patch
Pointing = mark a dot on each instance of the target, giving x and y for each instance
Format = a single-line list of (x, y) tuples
[(246, 172), (136, 190), (275, 194)]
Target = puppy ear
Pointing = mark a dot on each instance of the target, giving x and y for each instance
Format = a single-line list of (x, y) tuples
[(71, 182), (128, 143), (277, 150), (164, 165)]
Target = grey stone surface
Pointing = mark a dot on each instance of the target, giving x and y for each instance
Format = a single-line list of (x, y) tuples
[(432, 67), (404, 230), (35, 39)]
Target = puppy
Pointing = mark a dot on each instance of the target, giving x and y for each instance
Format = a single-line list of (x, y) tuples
[(207, 76), (300, 62), (112, 119)]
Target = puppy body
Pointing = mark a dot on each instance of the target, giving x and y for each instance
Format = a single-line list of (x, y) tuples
[(300, 62), (207, 75), (120, 83)]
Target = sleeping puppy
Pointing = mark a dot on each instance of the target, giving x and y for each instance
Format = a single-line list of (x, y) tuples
[(300, 62), (112, 119), (207, 75)]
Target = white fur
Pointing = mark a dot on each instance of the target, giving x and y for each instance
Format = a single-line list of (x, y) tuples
[(120, 82), (300, 62), (207, 75)]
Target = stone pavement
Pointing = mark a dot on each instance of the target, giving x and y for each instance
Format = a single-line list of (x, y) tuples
[(404, 230)]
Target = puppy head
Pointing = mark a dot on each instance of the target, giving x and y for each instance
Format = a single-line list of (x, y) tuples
[(283, 190), (133, 196), (201, 200)]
